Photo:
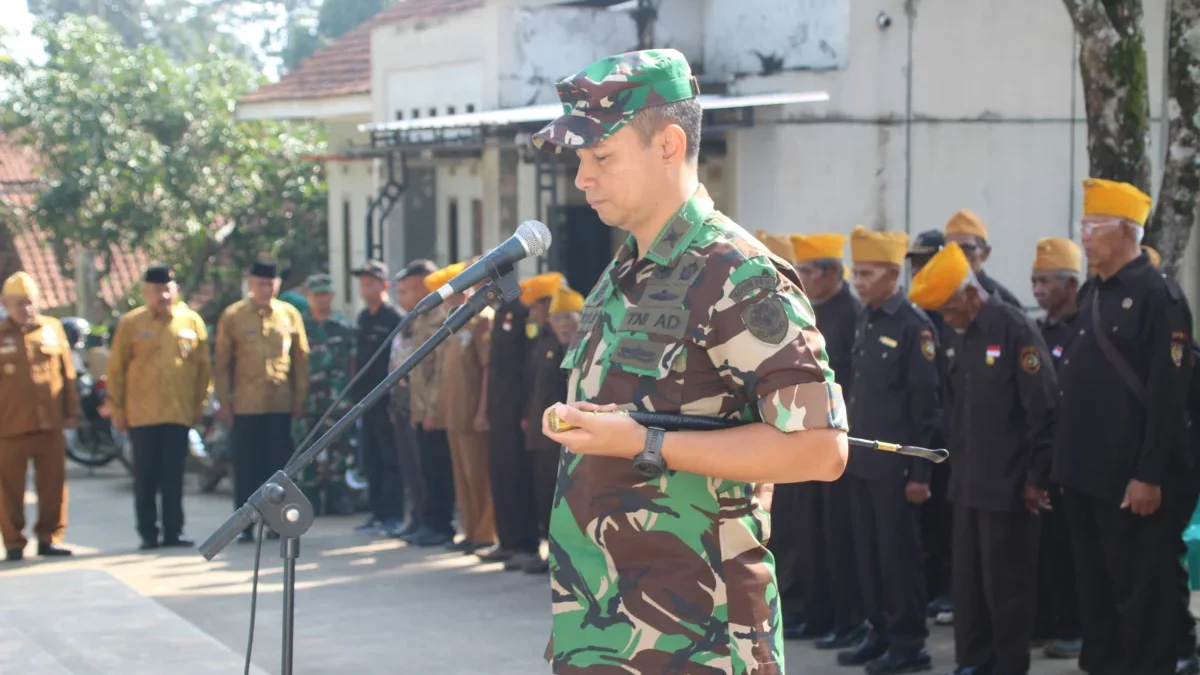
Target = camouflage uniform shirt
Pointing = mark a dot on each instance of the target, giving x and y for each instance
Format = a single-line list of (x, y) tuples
[(331, 348), (672, 575)]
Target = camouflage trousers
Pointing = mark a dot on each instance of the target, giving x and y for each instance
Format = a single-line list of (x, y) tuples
[(324, 479)]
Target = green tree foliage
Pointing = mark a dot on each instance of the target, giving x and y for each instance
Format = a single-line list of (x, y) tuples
[(334, 18), (142, 152)]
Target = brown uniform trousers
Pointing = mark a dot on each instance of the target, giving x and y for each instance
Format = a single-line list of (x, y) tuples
[(37, 396), (464, 363)]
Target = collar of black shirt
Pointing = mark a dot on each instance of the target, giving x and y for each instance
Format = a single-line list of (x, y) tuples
[(893, 304), (1134, 273), (989, 314)]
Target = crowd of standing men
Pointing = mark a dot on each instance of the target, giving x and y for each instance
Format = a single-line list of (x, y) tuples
[(1058, 519), (449, 438)]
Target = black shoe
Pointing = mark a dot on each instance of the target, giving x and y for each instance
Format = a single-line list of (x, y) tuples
[(53, 551), (538, 565), (494, 553), (972, 670), (804, 631), (941, 603), (148, 545), (15, 554), (461, 546), (869, 649), (178, 542), (246, 537), (432, 538), (842, 639), (895, 663), (408, 529)]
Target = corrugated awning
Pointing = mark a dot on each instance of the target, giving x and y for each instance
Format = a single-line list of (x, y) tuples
[(545, 113)]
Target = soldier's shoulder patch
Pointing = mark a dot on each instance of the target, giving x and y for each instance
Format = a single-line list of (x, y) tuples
[(766, 320), (749, 286), (928, 346), (1031, 360)]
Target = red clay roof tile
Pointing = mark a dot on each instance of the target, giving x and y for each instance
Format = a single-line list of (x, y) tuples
[(344, 67)]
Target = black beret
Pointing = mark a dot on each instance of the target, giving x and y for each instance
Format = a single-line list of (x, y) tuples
[(266, 270), (158, 274)]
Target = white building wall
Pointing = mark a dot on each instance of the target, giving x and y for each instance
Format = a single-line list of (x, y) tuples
[(994, 129)]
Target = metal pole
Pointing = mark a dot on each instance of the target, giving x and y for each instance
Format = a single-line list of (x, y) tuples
[(290, 550)]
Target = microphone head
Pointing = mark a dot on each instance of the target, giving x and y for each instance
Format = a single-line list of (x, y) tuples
[(534, 236)]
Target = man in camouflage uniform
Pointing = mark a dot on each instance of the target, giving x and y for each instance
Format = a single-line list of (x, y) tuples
[(672, 574), (331, 348)]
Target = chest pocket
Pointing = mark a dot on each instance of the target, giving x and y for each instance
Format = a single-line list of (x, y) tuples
[(43, 358), (882, 358), (278, 349), (186, 342)]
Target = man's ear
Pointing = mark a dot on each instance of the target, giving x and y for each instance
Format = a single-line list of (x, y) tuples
[(673, 144)]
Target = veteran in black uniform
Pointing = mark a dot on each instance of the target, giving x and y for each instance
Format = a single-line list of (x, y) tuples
[(895, 397), (1057, 266), (835, 606), (968, 231), (1001, 437), (373, 330), (1121, 428), (936, 530)]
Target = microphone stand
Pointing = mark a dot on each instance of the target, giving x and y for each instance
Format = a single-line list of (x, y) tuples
[(282, 505)]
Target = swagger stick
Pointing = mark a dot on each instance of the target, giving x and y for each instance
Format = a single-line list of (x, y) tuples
[(678, 422)]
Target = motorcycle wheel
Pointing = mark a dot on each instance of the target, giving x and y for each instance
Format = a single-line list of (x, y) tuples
[(87, 448)]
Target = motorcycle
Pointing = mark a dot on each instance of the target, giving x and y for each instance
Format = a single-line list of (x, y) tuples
[(209, 448), (95, 442)]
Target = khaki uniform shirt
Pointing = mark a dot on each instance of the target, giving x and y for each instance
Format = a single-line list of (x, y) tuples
[(262, 358), (425, 381), (37, 378), (464, 360), (159, 369)]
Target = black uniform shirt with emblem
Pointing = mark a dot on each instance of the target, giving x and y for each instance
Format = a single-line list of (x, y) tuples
[(508, 366), (1003, 410), (837, 318), (1058, 334), (896, 389), (548, 385), (1104, 435), (372, 332)]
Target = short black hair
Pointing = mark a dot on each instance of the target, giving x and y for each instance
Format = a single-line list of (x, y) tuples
[(686, 113)]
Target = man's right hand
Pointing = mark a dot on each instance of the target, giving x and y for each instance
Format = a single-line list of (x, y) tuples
[(120, 424), (225, 415)]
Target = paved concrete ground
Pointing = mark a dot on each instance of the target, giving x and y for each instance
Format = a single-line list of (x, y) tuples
[(364, 606)]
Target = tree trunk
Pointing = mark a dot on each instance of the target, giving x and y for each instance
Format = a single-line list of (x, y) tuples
[(1112, 64), (1175, 211)]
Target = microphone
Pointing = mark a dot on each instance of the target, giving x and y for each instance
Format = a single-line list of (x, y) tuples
[(532, 238)]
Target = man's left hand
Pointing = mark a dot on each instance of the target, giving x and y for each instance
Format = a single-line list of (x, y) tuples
[(1142, 498), (603, 435)]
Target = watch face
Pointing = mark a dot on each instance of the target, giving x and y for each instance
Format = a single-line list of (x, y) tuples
[(649, 468)]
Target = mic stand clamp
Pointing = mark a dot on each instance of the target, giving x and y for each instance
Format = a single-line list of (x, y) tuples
[(284, 508)]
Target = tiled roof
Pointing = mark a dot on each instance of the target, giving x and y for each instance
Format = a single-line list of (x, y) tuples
[(344, 67), (18, 185)]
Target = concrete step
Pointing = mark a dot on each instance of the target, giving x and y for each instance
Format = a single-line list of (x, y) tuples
[(86, 622)]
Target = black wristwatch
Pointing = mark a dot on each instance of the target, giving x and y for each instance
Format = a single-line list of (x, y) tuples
[(650, 463)]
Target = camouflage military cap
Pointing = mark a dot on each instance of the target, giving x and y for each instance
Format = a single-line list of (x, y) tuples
[(600, 99), (319, 283)]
